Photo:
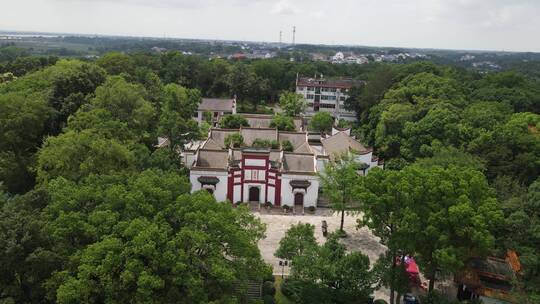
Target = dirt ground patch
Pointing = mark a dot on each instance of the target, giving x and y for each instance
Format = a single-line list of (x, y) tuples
[(358, 239)]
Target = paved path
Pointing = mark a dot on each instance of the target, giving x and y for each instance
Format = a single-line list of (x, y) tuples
[(358, 239)]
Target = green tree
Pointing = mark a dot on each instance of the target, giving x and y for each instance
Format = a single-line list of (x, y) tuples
[(336, 181), (441, 216), (23, 121), (328, 274), (27, 261), (512, 148), (449, 215), (382, 213), (450, 156), (75, 155), (196, 251), (298, 238), (246, 85), (234, 140), (116, 63), (233, 121), (321, 122), (510, 88), (520, 233), (291, 103), (176, 120), (207, 116), (261, 143), (363, 98), (282, 123), (125, 103), (287, 146)]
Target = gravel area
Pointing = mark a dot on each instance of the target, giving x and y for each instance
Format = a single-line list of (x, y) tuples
[(358, 239)]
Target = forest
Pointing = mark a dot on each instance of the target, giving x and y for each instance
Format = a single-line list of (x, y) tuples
[(92, 212)]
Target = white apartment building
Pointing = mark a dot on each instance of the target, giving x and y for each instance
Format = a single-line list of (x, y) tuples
[(327, 95)]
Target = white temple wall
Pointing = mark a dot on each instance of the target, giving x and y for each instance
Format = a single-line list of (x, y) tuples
[(365, 158), (310, 197), (220, 191), (237, 193), (262, 191), (271, 195)]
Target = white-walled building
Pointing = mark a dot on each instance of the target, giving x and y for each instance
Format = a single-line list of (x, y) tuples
[(327, 95), (217, 107), (268, 175)]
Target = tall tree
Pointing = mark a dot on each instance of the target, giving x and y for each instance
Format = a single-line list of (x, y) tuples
[(336, 181), (321, 122), (233, 121), (382, 213), (195, 251), (522, 233), (176, 119), (328, 274), (23, 120), (282, 123), (512, 148), (297, 240), (451, 214), (27, 260), (291, 103)]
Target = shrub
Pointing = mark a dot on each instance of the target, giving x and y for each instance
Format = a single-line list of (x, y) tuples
[(287, 146), (233, 121), (261, 143), (269, 276), (287, 287), (275, 144), (268, 299), (238, 203), (234, 140), (207, 116), (268, 288), (380, 301), (321, 122), (286, 207), (343, 124), (268, 204), (311, 208), (282, 123)]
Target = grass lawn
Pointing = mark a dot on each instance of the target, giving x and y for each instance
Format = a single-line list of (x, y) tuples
[(280, 298)]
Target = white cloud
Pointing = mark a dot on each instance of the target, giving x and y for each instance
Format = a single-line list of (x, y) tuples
[(461, 24), (284, 7)]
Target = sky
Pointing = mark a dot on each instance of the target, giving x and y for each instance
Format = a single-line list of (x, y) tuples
[(501, 25)]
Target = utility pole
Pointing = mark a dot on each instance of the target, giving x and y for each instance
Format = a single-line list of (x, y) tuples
[(293, 35)]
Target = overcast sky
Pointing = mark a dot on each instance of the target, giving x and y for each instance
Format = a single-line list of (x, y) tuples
[(511, 25)]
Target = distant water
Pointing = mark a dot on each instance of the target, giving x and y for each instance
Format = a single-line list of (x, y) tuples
[(30, 35)]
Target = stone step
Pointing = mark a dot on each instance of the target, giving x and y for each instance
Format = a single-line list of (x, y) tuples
[(254, 290)]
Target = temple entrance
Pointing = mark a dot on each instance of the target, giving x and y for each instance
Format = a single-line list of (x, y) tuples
[(299, 199), (254, 194)]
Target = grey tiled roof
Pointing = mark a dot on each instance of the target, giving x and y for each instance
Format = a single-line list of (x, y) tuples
[(216, 104), (296, 162), (342, 143), (214, 159)]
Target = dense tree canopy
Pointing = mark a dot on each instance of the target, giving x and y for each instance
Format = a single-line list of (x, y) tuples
[(291, 103), (441, 216), (234, 121), (321, 122), (91, 211), (282, 123), (328, 274)]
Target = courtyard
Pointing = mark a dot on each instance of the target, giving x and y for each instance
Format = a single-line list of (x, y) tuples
[(358, 239)]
